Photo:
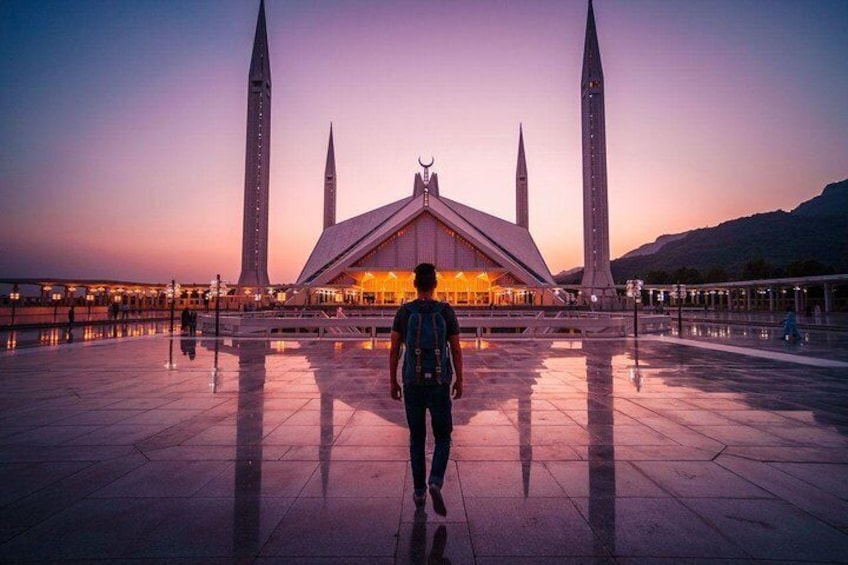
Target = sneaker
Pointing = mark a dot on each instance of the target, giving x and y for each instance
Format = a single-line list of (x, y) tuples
[(438, 502), (419, 499)]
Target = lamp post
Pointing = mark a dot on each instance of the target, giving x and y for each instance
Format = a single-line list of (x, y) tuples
[(56, 298), (679, 293), (172, 291), (216, 288), (634, 290), (635, 374), (14, 296)]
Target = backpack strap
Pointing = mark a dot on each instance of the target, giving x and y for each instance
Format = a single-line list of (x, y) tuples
[(418, 369), (438, 349)]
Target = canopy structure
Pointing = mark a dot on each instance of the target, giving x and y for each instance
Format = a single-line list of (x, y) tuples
[(481, 259)]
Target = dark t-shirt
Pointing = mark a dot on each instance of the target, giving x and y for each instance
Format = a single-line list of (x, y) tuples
[(403, 313)]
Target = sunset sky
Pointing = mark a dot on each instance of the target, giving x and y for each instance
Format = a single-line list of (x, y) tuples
[(122, 123)]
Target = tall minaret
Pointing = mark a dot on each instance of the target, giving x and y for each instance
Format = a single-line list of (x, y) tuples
[(330, 185), (254, 250), (521, 208), (597, 277)]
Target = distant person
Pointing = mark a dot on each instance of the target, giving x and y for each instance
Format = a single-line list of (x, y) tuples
[(192, 322), (185, 320), (71, 316), (429, 331), (790, 326)]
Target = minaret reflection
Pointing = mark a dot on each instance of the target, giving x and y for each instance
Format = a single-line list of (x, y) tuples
[(600, 410), (327, 435), (525, 446), (249, 425)]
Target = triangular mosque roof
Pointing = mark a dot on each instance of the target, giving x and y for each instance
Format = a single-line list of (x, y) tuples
[(344, 236), (512, 239), (345, 242)]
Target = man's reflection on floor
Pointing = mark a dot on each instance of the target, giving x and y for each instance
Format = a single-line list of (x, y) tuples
[(249, 429), (600, 411), (188, 347), (418, 554)]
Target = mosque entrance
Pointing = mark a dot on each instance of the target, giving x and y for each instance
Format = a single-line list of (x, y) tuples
[(461, 288)]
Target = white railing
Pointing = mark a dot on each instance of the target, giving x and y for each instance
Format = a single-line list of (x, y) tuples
[(528, 324)]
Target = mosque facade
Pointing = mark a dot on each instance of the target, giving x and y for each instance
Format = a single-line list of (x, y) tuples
[(482, 260)]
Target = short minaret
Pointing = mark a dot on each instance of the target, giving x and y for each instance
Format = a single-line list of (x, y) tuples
[(254, 250), (597, 277), (330, 185), (521, 207)]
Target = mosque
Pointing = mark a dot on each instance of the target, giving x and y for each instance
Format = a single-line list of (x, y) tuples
[(482, 260)]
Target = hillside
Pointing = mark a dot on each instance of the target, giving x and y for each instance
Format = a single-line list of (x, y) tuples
[(812, 239), (653, 247)]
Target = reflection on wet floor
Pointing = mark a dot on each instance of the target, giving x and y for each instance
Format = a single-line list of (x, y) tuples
[(53, 336), (593, 450)]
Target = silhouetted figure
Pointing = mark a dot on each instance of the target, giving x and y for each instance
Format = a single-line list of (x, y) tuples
[(185, 320), (790, 326), (192, 322), (71, 315), (429, 331)]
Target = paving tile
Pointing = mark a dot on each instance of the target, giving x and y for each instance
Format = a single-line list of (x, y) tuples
[(214, 527), (699, 479), (506, 479), (163, 479), (829, 477), (281, 479), (357, 479), (603, 479), (301, 435), (537, 527), (557, 457), (18, 480), (46, 435), (90, 529), (772, 477), (35, 507), (654, 527), (337, 527), (346, 453), (772, 529), (422, 542)]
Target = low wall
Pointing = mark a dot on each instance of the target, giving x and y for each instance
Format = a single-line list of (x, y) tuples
[(490, 326)]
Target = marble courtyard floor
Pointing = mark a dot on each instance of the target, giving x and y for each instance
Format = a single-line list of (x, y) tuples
[(603, 450)]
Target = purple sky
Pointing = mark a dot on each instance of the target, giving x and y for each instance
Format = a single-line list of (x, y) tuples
[(122, 124)]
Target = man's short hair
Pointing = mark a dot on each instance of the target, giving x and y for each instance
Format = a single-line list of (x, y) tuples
[(425, 277)]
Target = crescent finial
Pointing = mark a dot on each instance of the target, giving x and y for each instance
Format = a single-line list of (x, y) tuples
[(428, 165)]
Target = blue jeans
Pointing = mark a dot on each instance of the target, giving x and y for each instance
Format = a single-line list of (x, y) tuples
[(417, 400)]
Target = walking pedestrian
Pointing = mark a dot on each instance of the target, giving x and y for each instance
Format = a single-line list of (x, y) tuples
[(429, 331)]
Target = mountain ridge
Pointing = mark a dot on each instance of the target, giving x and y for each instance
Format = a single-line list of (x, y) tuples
[(811, 239)]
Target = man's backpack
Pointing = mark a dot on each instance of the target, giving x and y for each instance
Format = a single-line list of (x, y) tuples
[(426, 359)]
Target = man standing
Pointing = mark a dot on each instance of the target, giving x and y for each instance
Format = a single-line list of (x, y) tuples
[(429, 331)]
